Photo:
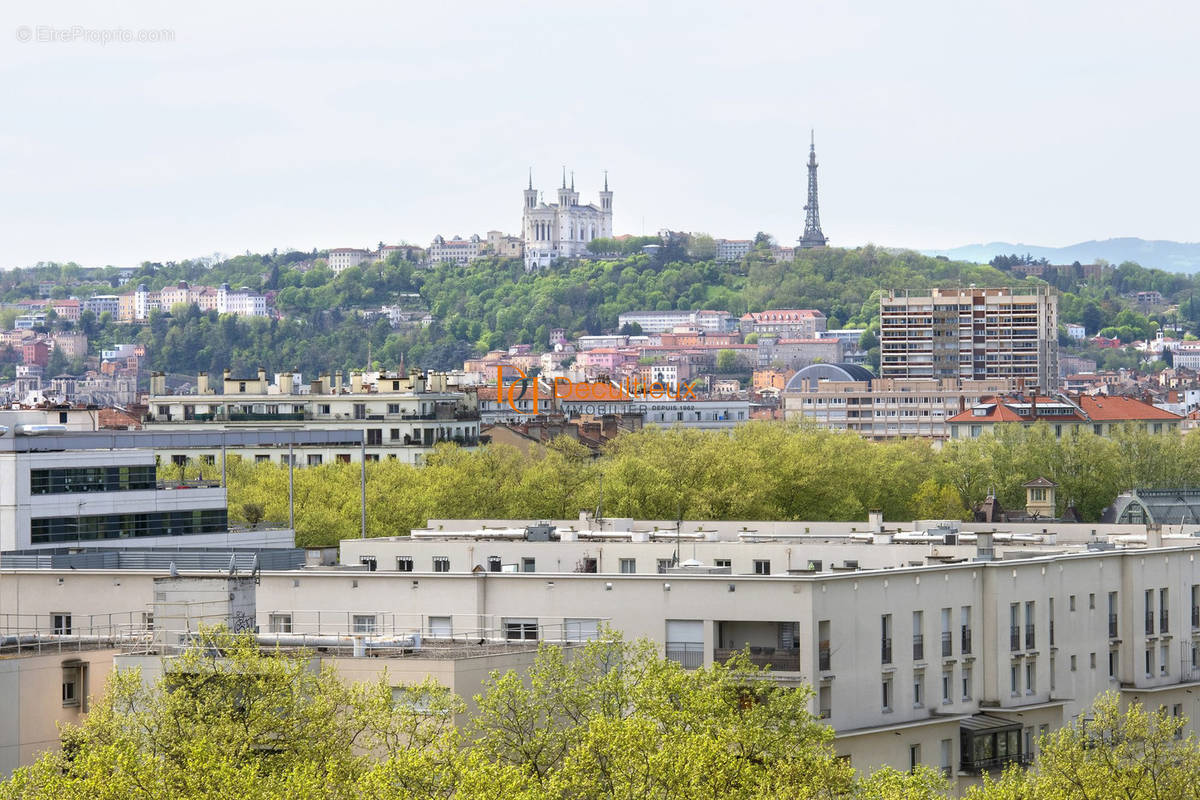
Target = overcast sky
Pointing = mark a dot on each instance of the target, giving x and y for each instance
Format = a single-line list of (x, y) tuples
[(300, 124)]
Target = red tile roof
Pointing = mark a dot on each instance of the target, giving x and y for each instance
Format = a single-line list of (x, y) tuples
[(1095, 409), (1122, 408)]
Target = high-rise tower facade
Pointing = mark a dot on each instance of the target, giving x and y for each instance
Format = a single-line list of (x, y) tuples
[(813, 237), (971, 334)]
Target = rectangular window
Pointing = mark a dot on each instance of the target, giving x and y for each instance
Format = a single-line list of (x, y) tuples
[(1112, 664), (966, 630), (374, 437), (1030, 626), (280, 623), (947, 758), (628, 566), (368, 562), (494, 564), (825, 701), (885, 650), (62, 623), (393, 408), (762, 566), (1072, 663), (947, 686), (914, 757), (1092, 600), (314, 459), (722, 562), (404, 564), (966, 683), (887, 694), (441, 563), (1014, 678), (1164, 651), (918, 688), (74, 684), (525, 630), (1112, 615), (261, 458), (663, 565), (528, 565), (581, 630), (363, 623), (918, 635), (1071, 603), (1030, 677)]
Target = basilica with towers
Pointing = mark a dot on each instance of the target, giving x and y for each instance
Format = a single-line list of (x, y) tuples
[(563, 229)]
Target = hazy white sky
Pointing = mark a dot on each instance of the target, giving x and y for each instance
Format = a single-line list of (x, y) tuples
[(300, 124)]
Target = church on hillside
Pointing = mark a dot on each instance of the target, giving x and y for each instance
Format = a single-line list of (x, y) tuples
[(563, 229)]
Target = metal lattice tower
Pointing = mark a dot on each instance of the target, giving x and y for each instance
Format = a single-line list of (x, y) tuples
[(812, 216)]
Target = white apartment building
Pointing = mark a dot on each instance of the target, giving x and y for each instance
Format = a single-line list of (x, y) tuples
[(396, 417), (667, 321), (144, 301), (456, 250), (848, 397), (68, 488), (971, 334), (343, 258), (709, 415), (99, 303), (955, 648), (733, 250), (244, 302)]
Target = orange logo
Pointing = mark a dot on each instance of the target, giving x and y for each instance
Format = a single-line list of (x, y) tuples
[(525, 382), (565, 389)]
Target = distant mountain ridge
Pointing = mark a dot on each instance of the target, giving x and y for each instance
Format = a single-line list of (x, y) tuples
[(1160, 254)]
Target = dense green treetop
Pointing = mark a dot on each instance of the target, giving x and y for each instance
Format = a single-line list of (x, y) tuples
[(758, 471)]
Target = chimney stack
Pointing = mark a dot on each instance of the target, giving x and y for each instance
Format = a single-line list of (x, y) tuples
[(337, 381), (984, 550), (158, 384), (202, 386), (1153, 535), (356, 382), (286, 382)]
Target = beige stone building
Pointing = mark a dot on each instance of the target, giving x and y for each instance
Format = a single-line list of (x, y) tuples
[(848, 397), (952, 646)]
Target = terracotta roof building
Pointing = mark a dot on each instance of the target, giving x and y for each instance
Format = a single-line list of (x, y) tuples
[(1098, 415)]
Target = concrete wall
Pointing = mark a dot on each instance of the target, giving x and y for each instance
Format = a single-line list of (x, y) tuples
[(31, 689)]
